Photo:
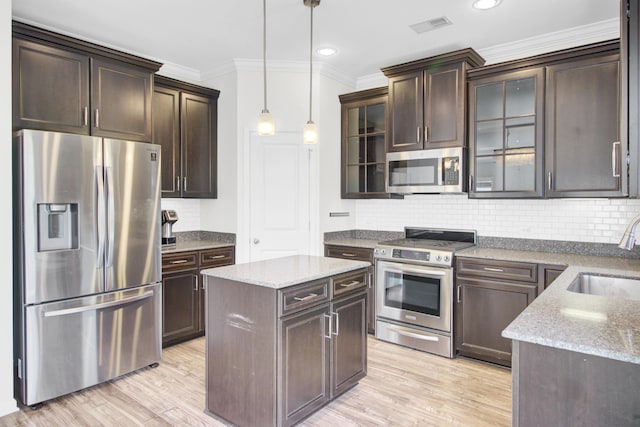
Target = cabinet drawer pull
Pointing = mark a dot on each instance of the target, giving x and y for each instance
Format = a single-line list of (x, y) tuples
[(85, 115), (614, 159), (179, 261), (497, 270), (308, 297), (215, 256), (348, 254), (350, 284)]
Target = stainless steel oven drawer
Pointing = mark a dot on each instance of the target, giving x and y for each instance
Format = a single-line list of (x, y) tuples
[(418, 338)]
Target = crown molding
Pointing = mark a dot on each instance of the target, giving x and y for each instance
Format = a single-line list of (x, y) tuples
[(180, 72), (371, 81), (571, 37)]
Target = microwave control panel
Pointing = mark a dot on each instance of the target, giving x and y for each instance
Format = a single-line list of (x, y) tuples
[(451, 170)]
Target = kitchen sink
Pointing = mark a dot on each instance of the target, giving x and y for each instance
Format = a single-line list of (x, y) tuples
[(619, 287)]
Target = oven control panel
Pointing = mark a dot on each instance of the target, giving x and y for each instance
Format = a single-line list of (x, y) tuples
[(417, 256)]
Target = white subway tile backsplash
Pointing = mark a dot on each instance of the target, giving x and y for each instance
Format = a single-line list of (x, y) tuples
[(587, 220), (188, 213)]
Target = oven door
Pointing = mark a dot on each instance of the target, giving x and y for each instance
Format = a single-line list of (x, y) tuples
[(414, 294)]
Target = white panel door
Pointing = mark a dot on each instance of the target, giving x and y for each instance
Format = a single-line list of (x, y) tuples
[(280, 188)]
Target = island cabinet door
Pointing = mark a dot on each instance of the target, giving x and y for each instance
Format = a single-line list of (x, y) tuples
[(303, 364), (349, 346)]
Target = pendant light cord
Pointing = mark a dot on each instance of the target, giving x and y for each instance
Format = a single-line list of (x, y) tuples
[(264, 50), (311, 62)]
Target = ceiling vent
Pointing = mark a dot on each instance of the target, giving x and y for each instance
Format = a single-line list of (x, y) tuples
[(431, 24)]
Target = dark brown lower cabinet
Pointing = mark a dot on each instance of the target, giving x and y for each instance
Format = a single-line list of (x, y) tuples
[(487, 300), (181, 306), (275, 356), (487, 307), (359, 254), (183, 291)]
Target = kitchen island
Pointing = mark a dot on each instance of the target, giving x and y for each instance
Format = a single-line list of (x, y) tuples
[(576, 354), (284, 337)]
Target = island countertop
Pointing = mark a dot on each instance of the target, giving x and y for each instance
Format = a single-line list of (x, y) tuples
[(287, 271)]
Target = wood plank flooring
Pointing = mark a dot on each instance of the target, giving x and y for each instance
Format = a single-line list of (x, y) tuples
[(404, 387)]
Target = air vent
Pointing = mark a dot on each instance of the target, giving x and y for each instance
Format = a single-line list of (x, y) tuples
[(431, 24)]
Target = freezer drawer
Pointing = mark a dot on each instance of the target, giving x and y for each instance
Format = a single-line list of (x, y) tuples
[(73, 344)]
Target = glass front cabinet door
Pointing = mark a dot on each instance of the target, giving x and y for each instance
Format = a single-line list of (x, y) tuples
[(364, 124), (506, 135)]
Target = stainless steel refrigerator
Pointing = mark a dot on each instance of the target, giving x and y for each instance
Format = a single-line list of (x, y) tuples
[(87, 261)]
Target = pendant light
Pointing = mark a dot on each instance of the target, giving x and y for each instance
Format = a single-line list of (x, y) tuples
[(266, 126), (310, 129)]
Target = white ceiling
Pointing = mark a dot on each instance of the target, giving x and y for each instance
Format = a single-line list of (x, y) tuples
[(369, 34)]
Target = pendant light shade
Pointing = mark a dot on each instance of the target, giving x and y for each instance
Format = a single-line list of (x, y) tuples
[(310, 133), (310, 129), (265, 120)]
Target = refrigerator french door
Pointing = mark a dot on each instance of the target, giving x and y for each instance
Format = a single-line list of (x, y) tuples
[(87, 261)]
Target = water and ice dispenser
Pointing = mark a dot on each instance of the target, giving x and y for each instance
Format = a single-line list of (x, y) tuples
[(57, 226)]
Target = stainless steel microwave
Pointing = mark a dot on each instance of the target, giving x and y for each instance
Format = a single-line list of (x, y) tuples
[(425, 171)]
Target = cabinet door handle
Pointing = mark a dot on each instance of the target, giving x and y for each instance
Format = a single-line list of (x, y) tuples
[(177, 183), (85, 115), (97, 118), (195, 284), (614, 159), (497, 270), (426, 134), (347, 254), (308, 297), (369, 285), (549, 180), (329, 329), (215, 256), (337, 332), (418, 134), (350, 284), (459, 294), (470, 182), (179, 261), (184, 183)]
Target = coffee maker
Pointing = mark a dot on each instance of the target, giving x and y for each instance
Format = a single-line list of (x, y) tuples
[(168, 219)]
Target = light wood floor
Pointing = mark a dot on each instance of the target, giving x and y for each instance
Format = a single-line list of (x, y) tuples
[(404, 387)]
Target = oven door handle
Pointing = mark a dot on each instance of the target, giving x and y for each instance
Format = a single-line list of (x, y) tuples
[(429, 272), (402, 331)]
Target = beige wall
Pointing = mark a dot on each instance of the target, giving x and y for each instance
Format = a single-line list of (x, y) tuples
[(7, 404)]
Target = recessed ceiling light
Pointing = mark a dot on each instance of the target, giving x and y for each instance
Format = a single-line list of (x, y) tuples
[(485, 4), (326, 51)]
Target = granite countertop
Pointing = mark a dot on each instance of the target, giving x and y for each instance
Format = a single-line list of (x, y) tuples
[(355, 242), (194, 245), (597, 325), (287, 271)]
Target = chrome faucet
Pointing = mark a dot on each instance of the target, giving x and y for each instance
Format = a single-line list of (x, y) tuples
[(628, 240)]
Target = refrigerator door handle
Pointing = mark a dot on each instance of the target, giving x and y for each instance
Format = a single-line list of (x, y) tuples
[(100, 214), (110, 215), (94, 307)]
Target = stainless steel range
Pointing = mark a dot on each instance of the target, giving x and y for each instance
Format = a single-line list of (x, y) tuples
[(414, 280)]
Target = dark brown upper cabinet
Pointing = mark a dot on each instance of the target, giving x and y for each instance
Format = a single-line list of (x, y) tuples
[(68, 85), (185, 125), (584, 151), (427, 101), (506, 135), (364, 130), (549, 126)]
